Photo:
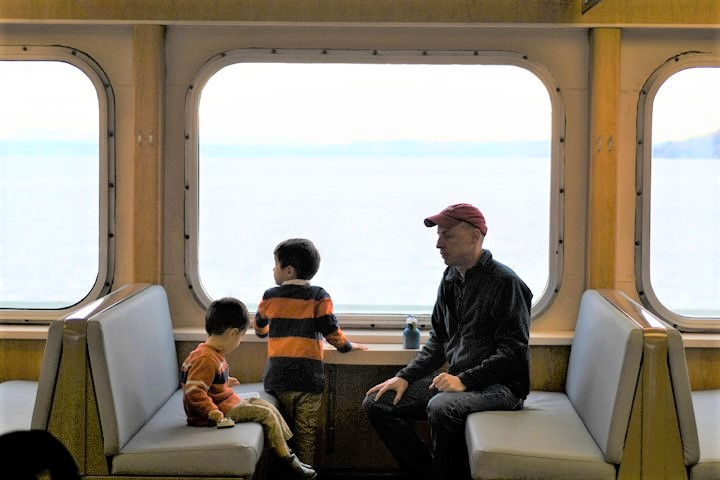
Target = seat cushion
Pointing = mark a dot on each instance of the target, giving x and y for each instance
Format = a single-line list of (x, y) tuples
[(166, 445), (706, 404), (546, 439), (17, 398), (682, 395), (48, 375)]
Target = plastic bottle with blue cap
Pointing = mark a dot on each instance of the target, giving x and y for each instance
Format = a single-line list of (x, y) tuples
[(411, 334)]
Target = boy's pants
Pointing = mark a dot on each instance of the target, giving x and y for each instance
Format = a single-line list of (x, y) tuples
[(302, 410), (258, 410)]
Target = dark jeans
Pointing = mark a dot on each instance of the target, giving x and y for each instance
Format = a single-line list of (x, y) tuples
[(446, 413)]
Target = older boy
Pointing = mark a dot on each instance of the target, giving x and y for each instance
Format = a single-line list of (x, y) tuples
[(297, 316), (206, 382)]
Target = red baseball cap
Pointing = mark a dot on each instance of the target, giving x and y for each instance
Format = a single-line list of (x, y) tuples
[(454, 214)]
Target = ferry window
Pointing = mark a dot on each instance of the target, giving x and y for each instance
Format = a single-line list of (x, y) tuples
[(682, 262), (50, 234), (354, 155)]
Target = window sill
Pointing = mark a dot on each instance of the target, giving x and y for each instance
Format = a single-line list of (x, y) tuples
[(378, 340)]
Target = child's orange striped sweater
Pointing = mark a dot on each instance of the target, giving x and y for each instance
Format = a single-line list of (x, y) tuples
[(297, 316)]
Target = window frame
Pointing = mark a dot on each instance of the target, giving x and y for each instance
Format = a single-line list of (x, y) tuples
[(643, 166), (106, 181), (370, 56)]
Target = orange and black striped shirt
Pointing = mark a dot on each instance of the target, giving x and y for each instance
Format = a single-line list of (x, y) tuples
[(296, 316)]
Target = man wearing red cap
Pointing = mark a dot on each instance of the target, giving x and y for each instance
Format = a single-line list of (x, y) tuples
[(481, 323)]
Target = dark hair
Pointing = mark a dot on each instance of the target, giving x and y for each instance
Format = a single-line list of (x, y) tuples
[(30, 453), (301, 254), (226, 313)]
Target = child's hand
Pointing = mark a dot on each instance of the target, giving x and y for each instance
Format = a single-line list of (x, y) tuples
[(216, 416), (233, 382), (359, 346)]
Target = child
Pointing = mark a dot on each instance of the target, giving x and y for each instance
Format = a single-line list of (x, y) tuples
[(297, 316), (207, 396)]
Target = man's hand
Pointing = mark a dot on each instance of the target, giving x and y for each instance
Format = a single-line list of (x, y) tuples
[(445, 382), (233, 382), (396, 383)]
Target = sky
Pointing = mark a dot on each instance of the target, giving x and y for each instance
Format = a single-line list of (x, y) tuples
[(257, 104), (687, 104), (457, 103)]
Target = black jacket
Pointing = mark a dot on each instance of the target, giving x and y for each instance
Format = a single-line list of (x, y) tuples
[(481, 329)]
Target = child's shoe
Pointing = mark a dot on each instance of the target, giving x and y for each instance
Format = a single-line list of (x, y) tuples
[(299, 469)]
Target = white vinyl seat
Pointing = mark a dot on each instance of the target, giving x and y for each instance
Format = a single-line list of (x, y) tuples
[(698, 415), (26, 404), (135, 373), (576, 434)]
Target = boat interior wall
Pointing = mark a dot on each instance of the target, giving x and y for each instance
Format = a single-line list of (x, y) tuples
[(528, 12), (190, 47), (152, 53), (122, 50)]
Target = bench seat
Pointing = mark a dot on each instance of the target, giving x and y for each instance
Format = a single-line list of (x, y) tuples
[(135, 374), (166, 445), (576, 434), (26, 404), (546, 437), (698, 414), (706, 405)]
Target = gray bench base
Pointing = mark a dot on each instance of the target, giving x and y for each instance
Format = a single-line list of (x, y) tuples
[(166, 445), (17, 399), (546, 439)]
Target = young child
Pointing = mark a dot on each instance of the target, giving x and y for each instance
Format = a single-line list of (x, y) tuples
[(297, 316), (207, 396)]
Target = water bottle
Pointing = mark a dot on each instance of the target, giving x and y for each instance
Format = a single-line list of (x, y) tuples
[(411, 334)]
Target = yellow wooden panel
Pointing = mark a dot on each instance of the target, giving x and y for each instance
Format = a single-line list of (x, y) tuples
[(701, 13), (602, 201), (20, 359), (703, 368), (148, 71)]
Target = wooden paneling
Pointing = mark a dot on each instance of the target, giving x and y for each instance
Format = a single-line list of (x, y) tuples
[(548, 367), (602, 200), (148, 99), (608, 12), (704, 368), (20, 359)]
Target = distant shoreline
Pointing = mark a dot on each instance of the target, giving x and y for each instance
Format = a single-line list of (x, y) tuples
[(702, 147)]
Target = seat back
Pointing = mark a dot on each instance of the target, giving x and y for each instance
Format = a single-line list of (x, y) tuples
[(603, 371), (48, 376), (133, 363), (682, 394)]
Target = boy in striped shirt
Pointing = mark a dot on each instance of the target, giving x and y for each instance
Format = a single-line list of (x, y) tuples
[(297, 316)]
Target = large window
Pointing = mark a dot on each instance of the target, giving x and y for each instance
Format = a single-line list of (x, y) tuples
[(680, 169), (53, 205), (354, 155)]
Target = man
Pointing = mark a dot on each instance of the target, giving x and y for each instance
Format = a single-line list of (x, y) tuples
[(480, 322)]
